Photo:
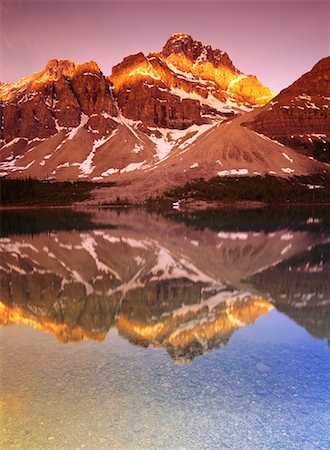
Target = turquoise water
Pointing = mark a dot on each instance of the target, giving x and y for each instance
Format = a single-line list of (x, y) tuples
[(143, 331)]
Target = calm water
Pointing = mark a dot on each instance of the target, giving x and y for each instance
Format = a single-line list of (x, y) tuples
[(131, 330)]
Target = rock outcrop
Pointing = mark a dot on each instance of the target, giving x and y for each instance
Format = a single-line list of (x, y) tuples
[(186, 83), (142, 89), (299, 116), (57, 97)]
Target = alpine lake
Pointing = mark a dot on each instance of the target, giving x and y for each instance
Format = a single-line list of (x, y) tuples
[(135, 330)]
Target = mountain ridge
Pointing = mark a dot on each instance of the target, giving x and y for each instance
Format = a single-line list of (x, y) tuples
[(165, 117), (310, 96)]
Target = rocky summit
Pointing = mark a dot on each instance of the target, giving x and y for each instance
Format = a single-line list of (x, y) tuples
[(57, 97), (160, 120), (186, 83)]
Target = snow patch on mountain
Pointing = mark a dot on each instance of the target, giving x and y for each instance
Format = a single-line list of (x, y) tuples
[(210, 100), (133, 166), (86, 166), (224, 173), (83, 120)]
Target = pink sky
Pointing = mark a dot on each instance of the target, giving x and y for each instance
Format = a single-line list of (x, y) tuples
[(277, 41)]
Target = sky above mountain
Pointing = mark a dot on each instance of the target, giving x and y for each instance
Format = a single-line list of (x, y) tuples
[(275, 40)]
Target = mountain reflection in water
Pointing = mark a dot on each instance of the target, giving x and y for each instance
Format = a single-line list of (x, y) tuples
[(163, 283)]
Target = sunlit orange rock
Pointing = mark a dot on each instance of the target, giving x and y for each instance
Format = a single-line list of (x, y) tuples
[(197, 328), (165, 89), (62, 332), (58, 96)]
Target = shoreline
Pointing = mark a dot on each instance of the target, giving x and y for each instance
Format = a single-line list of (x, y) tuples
[(198, 205)]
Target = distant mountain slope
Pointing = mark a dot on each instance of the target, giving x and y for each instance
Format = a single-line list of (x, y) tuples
[(299, 116)]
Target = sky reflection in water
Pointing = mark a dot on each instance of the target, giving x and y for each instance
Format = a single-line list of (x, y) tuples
[(218, 331)]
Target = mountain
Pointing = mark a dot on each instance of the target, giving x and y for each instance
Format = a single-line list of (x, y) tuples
[(55, 99), (299, 116), (186, 83), (158, 121)]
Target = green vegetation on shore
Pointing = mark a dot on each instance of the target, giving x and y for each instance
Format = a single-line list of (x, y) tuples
[(224, 190), (319, 150), (267, 189)]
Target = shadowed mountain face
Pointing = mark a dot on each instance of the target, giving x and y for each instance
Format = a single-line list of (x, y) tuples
[(299, 116), (161, 283), (304, 291)]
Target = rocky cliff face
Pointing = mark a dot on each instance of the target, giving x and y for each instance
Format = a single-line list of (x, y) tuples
[(201, 63), (57, 97), (299, 116), (186, 83), (176, 88), (184, 44), (70, 122), (143, 95)]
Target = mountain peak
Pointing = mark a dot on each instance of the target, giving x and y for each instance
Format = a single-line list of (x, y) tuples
[(176, 36), (57, 67), (196, 51)]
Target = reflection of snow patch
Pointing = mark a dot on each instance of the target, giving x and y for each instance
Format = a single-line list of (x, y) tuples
[(286, 237), (315, 186), (233, 236), (135, 244), (167, 267), (313, 220), (287, 248), (88, 243), (10, 143)]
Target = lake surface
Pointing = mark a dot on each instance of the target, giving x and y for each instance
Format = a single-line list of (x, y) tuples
[(136, 330)]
